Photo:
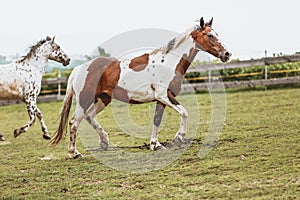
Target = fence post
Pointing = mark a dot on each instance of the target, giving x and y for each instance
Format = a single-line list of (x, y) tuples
[(209, 76), (266, 67), (59, 85)]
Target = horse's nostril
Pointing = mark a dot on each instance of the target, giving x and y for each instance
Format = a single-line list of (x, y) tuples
[(227, 54)]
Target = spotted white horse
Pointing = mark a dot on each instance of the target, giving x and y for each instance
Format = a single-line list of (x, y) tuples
[(156, 76), (21, 79)]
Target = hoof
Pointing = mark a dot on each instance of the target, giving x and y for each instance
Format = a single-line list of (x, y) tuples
[(104, 145), (1, 137), (17, 132), (46, 136), (160, 148), (156, 146), (179, 138), (182, 141), (78, 155), (75, 155)]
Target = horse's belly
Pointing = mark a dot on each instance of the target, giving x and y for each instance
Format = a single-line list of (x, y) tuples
[(10, 91), (8, 94), (142, 94)]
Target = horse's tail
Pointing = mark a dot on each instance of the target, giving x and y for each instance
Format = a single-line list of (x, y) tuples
[(62, 129)]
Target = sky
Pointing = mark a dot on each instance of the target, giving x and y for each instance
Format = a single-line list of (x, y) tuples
[(247, 28)]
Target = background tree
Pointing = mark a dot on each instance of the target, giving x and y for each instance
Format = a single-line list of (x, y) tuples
[(100, 52)]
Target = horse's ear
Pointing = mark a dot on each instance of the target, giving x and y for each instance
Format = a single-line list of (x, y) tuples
[(202, 23), (48, 38), (53, 39), (210, 22)]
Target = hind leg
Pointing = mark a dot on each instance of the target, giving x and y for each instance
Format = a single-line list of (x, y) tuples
[(104, 142), (74, 124), (91, 119), (72, 151)]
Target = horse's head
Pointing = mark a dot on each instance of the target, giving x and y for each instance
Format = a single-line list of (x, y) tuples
[(54, 52), (207, 40)]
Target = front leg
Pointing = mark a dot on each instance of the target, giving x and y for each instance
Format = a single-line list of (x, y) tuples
[(31, 109), (43, 125), (179, 137), (154, 144), (173, 103)]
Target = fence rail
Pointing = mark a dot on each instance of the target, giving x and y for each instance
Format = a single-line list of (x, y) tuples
[(239, 84), (52, 81), (246, 63)]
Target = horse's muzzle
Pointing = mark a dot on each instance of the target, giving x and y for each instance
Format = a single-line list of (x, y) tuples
[(66, 62), (225, 56)]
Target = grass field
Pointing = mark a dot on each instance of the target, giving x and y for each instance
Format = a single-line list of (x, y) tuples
[(256, 157)]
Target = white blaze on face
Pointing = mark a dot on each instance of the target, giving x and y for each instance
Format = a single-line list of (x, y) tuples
[(216, 35)]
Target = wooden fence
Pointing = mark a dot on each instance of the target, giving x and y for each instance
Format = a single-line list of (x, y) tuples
[(199, 86), (247, 83), (246, 63), (239, 84)]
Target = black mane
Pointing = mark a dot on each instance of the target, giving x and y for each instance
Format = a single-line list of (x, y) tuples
[(32, 50)]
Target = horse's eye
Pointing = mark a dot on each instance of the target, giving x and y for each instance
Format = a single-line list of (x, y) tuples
[(210, 36)]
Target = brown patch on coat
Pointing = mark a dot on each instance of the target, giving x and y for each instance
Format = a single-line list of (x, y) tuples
[(13, 86), (103, 75), (139, 63), (122, 95), (181, 68)]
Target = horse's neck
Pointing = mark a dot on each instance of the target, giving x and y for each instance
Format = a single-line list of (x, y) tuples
[(37, 61), (179, 52), (186, 60)]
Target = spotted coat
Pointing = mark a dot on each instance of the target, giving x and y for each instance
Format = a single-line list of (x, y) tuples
[(21, 79)]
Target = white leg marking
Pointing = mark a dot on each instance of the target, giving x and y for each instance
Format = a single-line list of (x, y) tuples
[(183, 115), (154, 144), (183, 124)]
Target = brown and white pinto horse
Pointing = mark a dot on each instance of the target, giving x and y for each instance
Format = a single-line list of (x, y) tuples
[(155, 76)]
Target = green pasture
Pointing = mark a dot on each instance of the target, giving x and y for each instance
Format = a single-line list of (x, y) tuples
[(257, 155)]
